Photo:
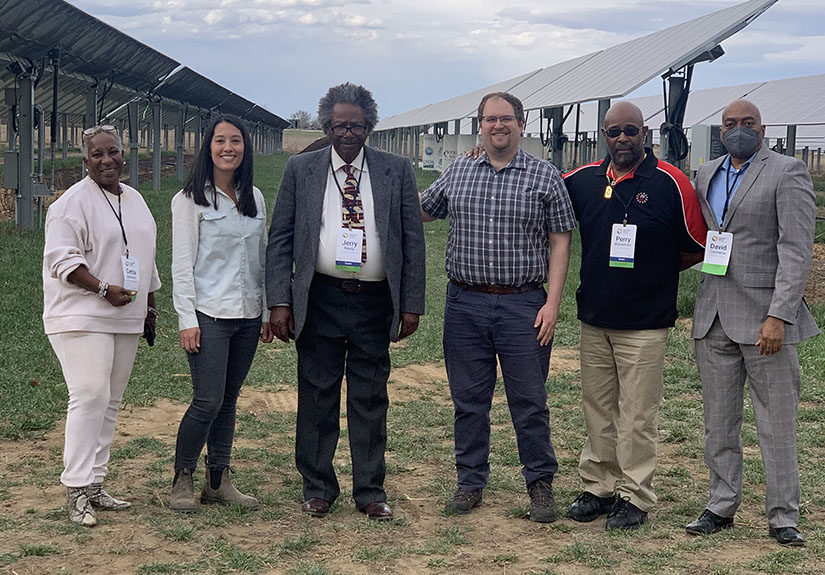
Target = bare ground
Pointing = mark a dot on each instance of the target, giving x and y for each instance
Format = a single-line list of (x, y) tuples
[(497, 539)]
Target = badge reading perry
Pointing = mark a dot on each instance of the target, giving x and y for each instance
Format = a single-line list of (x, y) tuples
[(718, 247), (348, 250), (622, 245)]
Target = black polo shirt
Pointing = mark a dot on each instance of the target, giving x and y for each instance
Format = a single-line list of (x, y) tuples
[(663, 205)]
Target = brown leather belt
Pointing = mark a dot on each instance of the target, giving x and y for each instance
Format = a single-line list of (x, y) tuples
[(353, 285), (498, 290)]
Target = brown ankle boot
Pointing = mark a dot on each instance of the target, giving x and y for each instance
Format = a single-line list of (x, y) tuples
[(226, 493), (183, 493)]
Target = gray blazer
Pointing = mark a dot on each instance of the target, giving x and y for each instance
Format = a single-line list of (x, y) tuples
[(772, 219), (296, 226)]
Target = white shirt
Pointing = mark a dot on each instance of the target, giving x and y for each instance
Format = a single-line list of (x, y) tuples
[(218, 258), (373, 268), (82, 230)]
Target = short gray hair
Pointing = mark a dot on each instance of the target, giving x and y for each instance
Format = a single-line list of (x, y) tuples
[(348, 94), (95, 130)]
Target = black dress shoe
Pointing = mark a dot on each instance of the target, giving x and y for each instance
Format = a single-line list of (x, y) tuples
[(789, 536), (708, 523), (625, 515), (378, 511), (588, 507), (316, 507)]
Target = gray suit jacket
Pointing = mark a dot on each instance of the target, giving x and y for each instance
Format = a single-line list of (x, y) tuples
[(296, 225), (772, 219)]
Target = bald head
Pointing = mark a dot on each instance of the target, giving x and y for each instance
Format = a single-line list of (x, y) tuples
[(742, 130), (624, 132), (739, 109), (624, 112)]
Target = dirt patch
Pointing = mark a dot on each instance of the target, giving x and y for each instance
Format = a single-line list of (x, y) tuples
[(815, 288)]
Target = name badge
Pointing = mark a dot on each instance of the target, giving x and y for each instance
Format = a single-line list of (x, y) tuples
[(718, 247), (348, 250), (622, 245), (131, 273)]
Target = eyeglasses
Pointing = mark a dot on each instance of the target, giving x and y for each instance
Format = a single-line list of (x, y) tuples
[(355, 129), (630, 130), (492, 120), (106, 128)]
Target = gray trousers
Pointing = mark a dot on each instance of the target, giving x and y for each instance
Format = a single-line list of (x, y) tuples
[(774, 381)]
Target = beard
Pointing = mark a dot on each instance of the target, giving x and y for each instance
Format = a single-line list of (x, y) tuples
[(628, 157)]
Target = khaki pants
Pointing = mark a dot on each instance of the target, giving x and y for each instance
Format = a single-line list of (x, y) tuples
[(621, 373)]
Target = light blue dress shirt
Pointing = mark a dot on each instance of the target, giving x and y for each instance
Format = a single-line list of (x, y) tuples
[(723, 183)]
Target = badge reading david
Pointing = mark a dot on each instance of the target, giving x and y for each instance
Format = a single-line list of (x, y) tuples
[(348, 250), (718, 247), (622, 245)]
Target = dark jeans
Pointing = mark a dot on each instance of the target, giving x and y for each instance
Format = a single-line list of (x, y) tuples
[(477, 328), (218, 371), (344, 333)]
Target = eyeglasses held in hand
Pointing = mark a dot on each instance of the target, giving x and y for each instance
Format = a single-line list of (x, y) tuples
[(355, 129), (492, 120), (630, 130), (89, 132)]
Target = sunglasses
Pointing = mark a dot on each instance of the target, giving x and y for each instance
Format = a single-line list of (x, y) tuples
[(630, 130), (106, 128)]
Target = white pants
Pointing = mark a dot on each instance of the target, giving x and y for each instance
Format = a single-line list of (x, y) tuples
[(96, 367)]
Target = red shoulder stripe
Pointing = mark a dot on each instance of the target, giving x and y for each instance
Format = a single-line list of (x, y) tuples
[(691, 211)]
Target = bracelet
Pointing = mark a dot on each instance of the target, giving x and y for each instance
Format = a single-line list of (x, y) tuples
[(151, 311), (102, 290)]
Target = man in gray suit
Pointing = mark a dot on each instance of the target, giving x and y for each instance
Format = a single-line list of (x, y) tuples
[(749, 316), (345, 273)]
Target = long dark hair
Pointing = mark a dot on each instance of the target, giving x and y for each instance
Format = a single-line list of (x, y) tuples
[(203, 167)]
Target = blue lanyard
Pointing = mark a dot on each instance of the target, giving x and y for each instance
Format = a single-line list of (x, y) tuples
[(730, 188)]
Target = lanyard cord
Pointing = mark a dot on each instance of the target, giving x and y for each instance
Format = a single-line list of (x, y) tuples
[(118, 214), (730, 188), (350, 209), (614, 184)]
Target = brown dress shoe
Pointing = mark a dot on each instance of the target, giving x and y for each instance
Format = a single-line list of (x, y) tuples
[(316, 507), (378, 511)]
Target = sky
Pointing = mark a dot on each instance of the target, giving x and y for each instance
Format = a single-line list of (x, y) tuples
[(285, 54)]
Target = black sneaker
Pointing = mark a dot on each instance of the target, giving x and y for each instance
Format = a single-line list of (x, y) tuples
[(625, 515), (463, 501), (587, 507), (542, 502)]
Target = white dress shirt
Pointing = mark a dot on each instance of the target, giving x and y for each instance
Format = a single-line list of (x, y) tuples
[(373, 268), (218, 258)]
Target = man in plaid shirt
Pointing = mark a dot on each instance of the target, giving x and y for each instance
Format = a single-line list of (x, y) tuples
[(507, 209)]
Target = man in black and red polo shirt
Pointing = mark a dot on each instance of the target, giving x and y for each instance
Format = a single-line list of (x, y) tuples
[(640, 225)]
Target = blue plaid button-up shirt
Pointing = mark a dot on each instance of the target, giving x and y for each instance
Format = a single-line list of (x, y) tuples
[(500, 221)]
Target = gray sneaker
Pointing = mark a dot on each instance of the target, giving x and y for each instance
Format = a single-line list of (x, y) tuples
[(463, 501), (542, 502)]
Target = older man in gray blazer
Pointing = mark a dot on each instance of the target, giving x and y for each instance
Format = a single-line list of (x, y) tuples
[(344, 276), (749, 316)]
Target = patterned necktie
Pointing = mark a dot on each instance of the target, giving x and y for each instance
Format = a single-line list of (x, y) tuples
[(352, 211)]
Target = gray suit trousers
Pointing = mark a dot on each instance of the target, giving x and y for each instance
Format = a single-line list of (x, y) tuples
[(774, 381)]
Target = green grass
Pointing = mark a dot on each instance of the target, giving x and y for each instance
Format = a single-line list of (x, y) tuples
[(420, 460)]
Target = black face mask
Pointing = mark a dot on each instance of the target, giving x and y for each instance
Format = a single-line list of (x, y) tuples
[(742, 142)]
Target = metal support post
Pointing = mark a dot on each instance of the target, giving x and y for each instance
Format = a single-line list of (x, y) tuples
[(157, 132), (790, 146), (179, 136), (134, 144), (677, 87), (89, 117), (24, 199), (457, 127), (601, 146), (64, 120), (556, 144)]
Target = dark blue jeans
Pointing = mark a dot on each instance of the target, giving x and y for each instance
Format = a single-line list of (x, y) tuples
[(218, 371), (479, 327)]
